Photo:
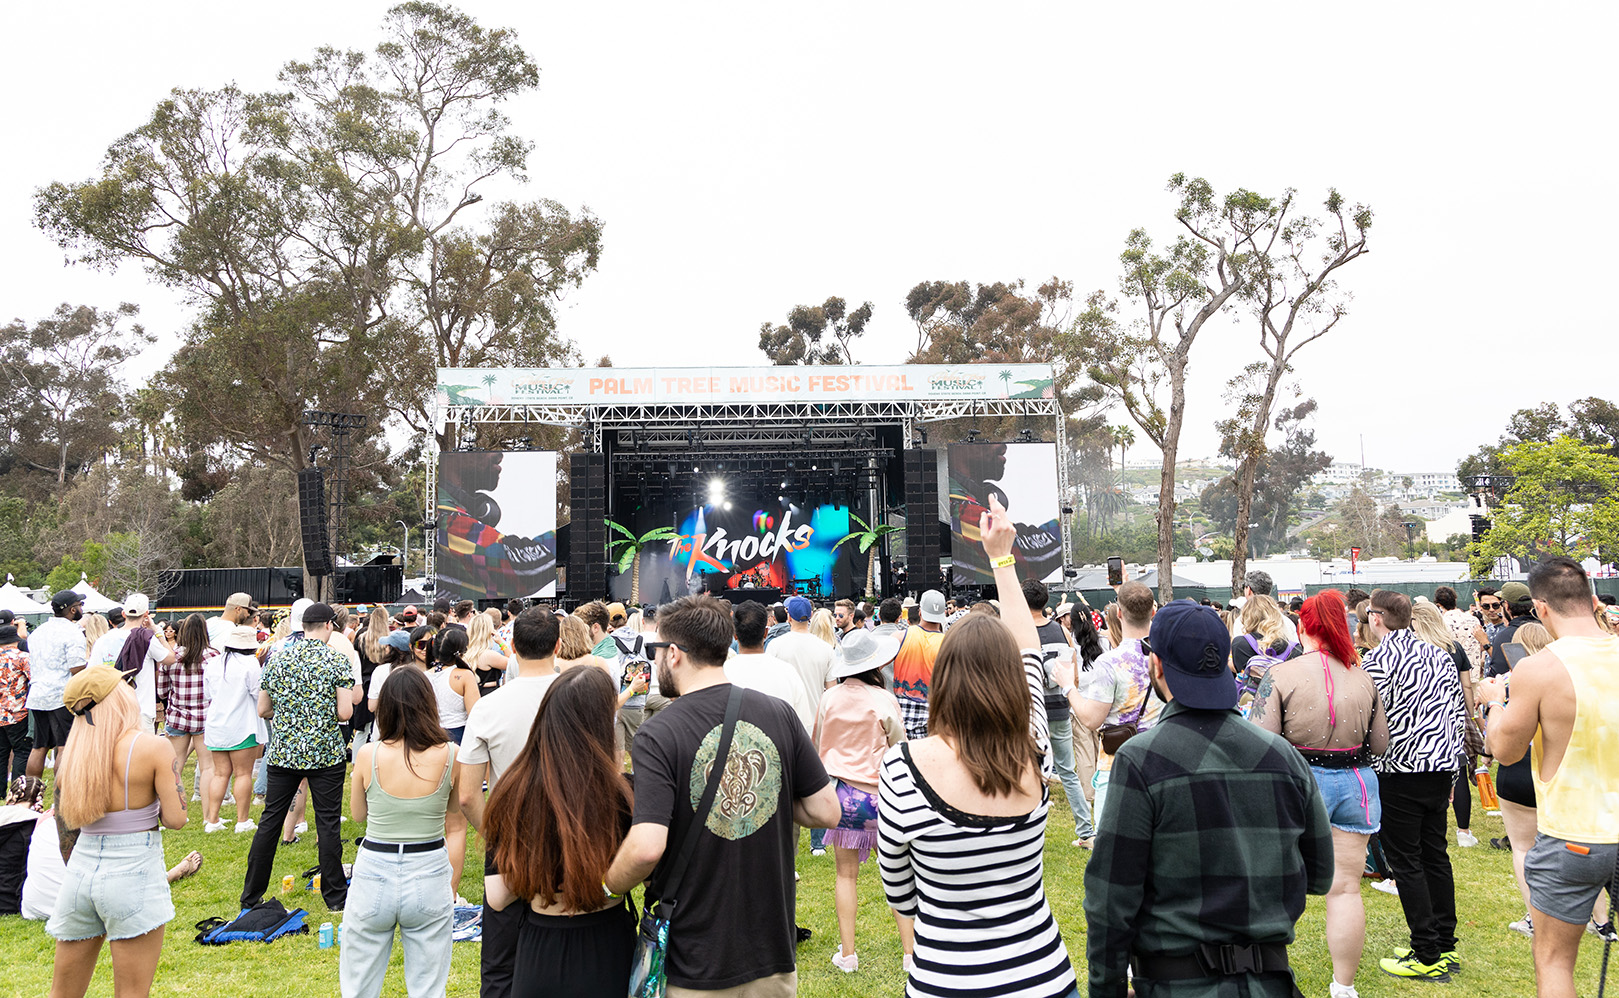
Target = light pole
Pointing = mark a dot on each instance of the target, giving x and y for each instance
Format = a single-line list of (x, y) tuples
[(404, 556)]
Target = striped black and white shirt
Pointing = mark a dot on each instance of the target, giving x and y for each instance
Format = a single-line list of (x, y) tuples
[(1421, 690), (973, 882)]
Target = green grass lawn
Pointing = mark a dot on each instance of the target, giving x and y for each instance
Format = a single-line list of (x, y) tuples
[(1496, 961)]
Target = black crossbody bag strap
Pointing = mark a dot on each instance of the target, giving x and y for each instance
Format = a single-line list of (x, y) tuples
[(716, 773)]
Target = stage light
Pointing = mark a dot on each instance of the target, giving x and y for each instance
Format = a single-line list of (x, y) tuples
[(716, 490), (784, 484), (972, 435), (727, 504)]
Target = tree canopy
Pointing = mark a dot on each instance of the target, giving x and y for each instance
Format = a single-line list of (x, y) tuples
[(1564, 500)]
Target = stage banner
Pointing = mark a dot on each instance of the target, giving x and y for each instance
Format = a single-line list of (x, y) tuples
[(497, 523), (788, 548), (719, 385), (1024, 478)]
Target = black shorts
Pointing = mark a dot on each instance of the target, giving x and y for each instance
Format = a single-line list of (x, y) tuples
[(582, 956), (1516, 782), (51, 727)]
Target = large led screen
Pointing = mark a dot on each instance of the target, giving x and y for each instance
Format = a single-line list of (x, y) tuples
[(1024, 478), (497, 524)]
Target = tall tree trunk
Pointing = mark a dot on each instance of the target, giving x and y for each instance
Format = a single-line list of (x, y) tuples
[(1245, 505), (1166, 482), (635, 581)]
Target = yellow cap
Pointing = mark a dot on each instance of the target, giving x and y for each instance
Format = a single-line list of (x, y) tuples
[(92, 684)]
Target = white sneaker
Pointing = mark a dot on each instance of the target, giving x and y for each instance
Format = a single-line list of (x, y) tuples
[(230, 798), (196, 797), (847, 964), (1465, 838), (460, 901), (246, 826), (1386, 886), (1343, 990), (1524, 925), (1083, 843), (214, 826), (300, 828)]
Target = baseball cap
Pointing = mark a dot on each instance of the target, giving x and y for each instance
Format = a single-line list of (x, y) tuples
[(93, 684), (933, 606), (799, 607), (6, 616), (1515, 592), (398, 640), (8, 635), (318, 613), (615, 612), (1194, 646), (65, 599), (136, 605), (239, 599), (408, 614), (299, 606)]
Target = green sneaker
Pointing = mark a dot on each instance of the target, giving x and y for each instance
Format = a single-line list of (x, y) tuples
[(1407, 967), (1451, 960)]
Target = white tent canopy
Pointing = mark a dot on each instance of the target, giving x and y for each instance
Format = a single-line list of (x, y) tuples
[(17, 601), (94, 602)]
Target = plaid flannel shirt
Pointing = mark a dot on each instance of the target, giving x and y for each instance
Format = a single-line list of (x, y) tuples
[(181, 692), (1214, 832)]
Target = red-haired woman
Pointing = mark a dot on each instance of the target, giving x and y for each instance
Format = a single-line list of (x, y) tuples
[(1328, 708), (554, 822)]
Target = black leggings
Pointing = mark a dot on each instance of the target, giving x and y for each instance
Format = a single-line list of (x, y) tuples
[(582, 956), (1462, 799)]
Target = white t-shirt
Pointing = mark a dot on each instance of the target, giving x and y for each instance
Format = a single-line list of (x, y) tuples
[(378, 674), (499, 724), (105, 652), (774, 677), (230, 682), (43, 880), (809, 656)]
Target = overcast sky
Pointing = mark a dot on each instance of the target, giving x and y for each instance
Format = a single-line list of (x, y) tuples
[(750, 157)]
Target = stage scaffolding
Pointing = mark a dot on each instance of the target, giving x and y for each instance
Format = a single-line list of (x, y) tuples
[(739, 425)]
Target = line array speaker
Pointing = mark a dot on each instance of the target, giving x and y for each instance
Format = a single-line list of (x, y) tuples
[(312, 521), (922, 520), (587, 543)]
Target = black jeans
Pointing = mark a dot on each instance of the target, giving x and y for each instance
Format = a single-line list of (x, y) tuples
[(498, 958), (15, 741), (326, 795), (1415, 823), (1462, 799)]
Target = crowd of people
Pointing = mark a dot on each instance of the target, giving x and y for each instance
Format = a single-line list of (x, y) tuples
[(1218, 764)]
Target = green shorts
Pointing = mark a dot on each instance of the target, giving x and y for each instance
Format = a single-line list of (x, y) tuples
[(251, 742)]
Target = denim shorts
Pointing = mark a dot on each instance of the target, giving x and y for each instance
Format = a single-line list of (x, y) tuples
[(1351, 797), (1565, 883), (115, 886)]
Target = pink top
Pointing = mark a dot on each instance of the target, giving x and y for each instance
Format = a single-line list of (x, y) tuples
[(857, 724), (137, 819)]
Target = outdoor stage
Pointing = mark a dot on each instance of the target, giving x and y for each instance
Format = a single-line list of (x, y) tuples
[(758, 477)]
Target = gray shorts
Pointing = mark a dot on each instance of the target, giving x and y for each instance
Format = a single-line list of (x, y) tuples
[(115, 886), (1563, 883)]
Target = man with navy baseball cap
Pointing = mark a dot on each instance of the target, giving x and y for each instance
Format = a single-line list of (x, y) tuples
[(1222, 817)]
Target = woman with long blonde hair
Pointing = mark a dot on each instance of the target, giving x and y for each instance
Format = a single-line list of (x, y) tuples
[(116, 788), (95, 625), (1263, 636), (820, 625), (483, 654)]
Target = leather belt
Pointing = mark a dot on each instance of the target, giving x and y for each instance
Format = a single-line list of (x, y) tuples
[(398, 847), (1212, 960)]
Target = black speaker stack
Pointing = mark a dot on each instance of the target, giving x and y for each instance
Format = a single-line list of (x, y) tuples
[(312, 521), (922, 520), (587, 542)]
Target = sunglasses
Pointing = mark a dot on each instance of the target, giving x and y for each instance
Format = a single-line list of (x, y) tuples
[(653, 646), (1489, 606), (425, 643)]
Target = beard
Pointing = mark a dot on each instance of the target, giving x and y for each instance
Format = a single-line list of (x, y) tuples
[(1160, 687), (666, 682)]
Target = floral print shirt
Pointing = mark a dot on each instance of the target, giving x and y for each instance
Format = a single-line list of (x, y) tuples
[(13, 685), (302, 679)]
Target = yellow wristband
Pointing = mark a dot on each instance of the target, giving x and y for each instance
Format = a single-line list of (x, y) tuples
[(1004, 561)]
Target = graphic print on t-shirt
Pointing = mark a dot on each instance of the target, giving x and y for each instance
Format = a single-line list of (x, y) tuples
[(750, 788)]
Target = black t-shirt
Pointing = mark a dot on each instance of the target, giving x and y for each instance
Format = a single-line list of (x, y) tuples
[(1053, 640), (1499, 666), (734, 921)]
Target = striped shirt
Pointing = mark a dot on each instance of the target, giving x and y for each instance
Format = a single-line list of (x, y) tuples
[(973, 882), (1421, 690)]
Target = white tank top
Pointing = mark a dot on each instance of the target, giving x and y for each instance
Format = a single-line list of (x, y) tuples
[(452, 707)]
